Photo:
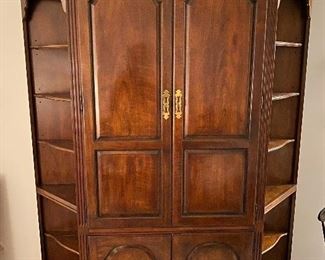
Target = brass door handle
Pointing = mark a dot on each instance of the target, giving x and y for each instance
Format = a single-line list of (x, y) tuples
[(165, 104), (178, 104)]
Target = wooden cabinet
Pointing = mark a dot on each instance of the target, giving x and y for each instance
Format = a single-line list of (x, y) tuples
[(166, 129)]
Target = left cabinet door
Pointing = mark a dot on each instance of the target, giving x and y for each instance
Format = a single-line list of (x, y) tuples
[(125, 49)]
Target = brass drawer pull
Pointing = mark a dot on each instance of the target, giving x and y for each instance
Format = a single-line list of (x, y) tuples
[(178, 104), (165, 103)]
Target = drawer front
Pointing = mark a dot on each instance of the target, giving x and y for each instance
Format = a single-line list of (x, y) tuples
[(213, 246), (130, 247)]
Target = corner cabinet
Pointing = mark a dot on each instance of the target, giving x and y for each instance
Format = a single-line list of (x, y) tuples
[(166, 129)]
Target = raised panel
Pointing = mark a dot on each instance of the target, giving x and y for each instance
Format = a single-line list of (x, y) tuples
[(53, 119), (214, 182), (216, 246), (218, 67), (127, 68), (121, 247), (129, 184)]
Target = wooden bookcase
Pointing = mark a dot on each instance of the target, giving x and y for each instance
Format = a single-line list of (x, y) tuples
[(50, 80), (291, 45), (166, 129)]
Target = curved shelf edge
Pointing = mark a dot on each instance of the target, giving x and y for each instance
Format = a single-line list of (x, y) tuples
[(277, 144), (67, 241), (288, 44), (63, 195), (270, 240), (281, 96), (276, 194), (49, 46), (62, 145), (56, 96)]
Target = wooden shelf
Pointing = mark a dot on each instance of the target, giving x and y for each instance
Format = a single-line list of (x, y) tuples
[(281, 96), (270, 240), (63, 145), (50, 46), (277, 144), (274, 195), (61, 194), (55, 96), (288, 44), (66, 240)]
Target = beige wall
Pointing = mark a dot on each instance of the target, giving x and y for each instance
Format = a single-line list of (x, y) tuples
[(18, 217), (308, 243)]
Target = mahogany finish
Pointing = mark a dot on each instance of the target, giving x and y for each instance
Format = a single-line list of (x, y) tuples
[(166, 129)]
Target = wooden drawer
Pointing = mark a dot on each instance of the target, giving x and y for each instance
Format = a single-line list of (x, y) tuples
[(214, 246), (130, 247)]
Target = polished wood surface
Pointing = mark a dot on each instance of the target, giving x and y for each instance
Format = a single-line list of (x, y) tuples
[(204, 181), (129, 184), (270, 240), (123, 117), (59, 126), (66, 240), (274, 195), (217, 104), (61, 194), (217, 246), (220, 113), (130, 247), (49, 64), (119, 179), (56, 163)]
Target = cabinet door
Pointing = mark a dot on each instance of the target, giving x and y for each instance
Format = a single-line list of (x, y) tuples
[(216, 246), (125, 49), (130, 247), (218, 57)]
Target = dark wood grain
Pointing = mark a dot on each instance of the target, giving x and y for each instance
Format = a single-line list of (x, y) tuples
[(218, 246), (220, 111), (124, 74), (130, 247), (50, 64), (135, 185)]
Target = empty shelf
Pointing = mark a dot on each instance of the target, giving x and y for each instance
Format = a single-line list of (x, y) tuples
[(66, 240), (61, 194), (270, 240), (55, 96), (288, 44), (277, 144), (64, 145), (49, 46), (281, 96), (274, 195)]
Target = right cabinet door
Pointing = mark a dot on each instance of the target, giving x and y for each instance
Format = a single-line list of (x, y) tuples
[(216, 246), (217, 96)]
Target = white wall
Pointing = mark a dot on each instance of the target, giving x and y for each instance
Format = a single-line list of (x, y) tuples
[(308, 243), (18, 217)]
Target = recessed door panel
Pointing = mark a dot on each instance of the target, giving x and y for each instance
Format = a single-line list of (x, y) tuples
[(126, 44), (218, 46), (129, 183), (214, 182)]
